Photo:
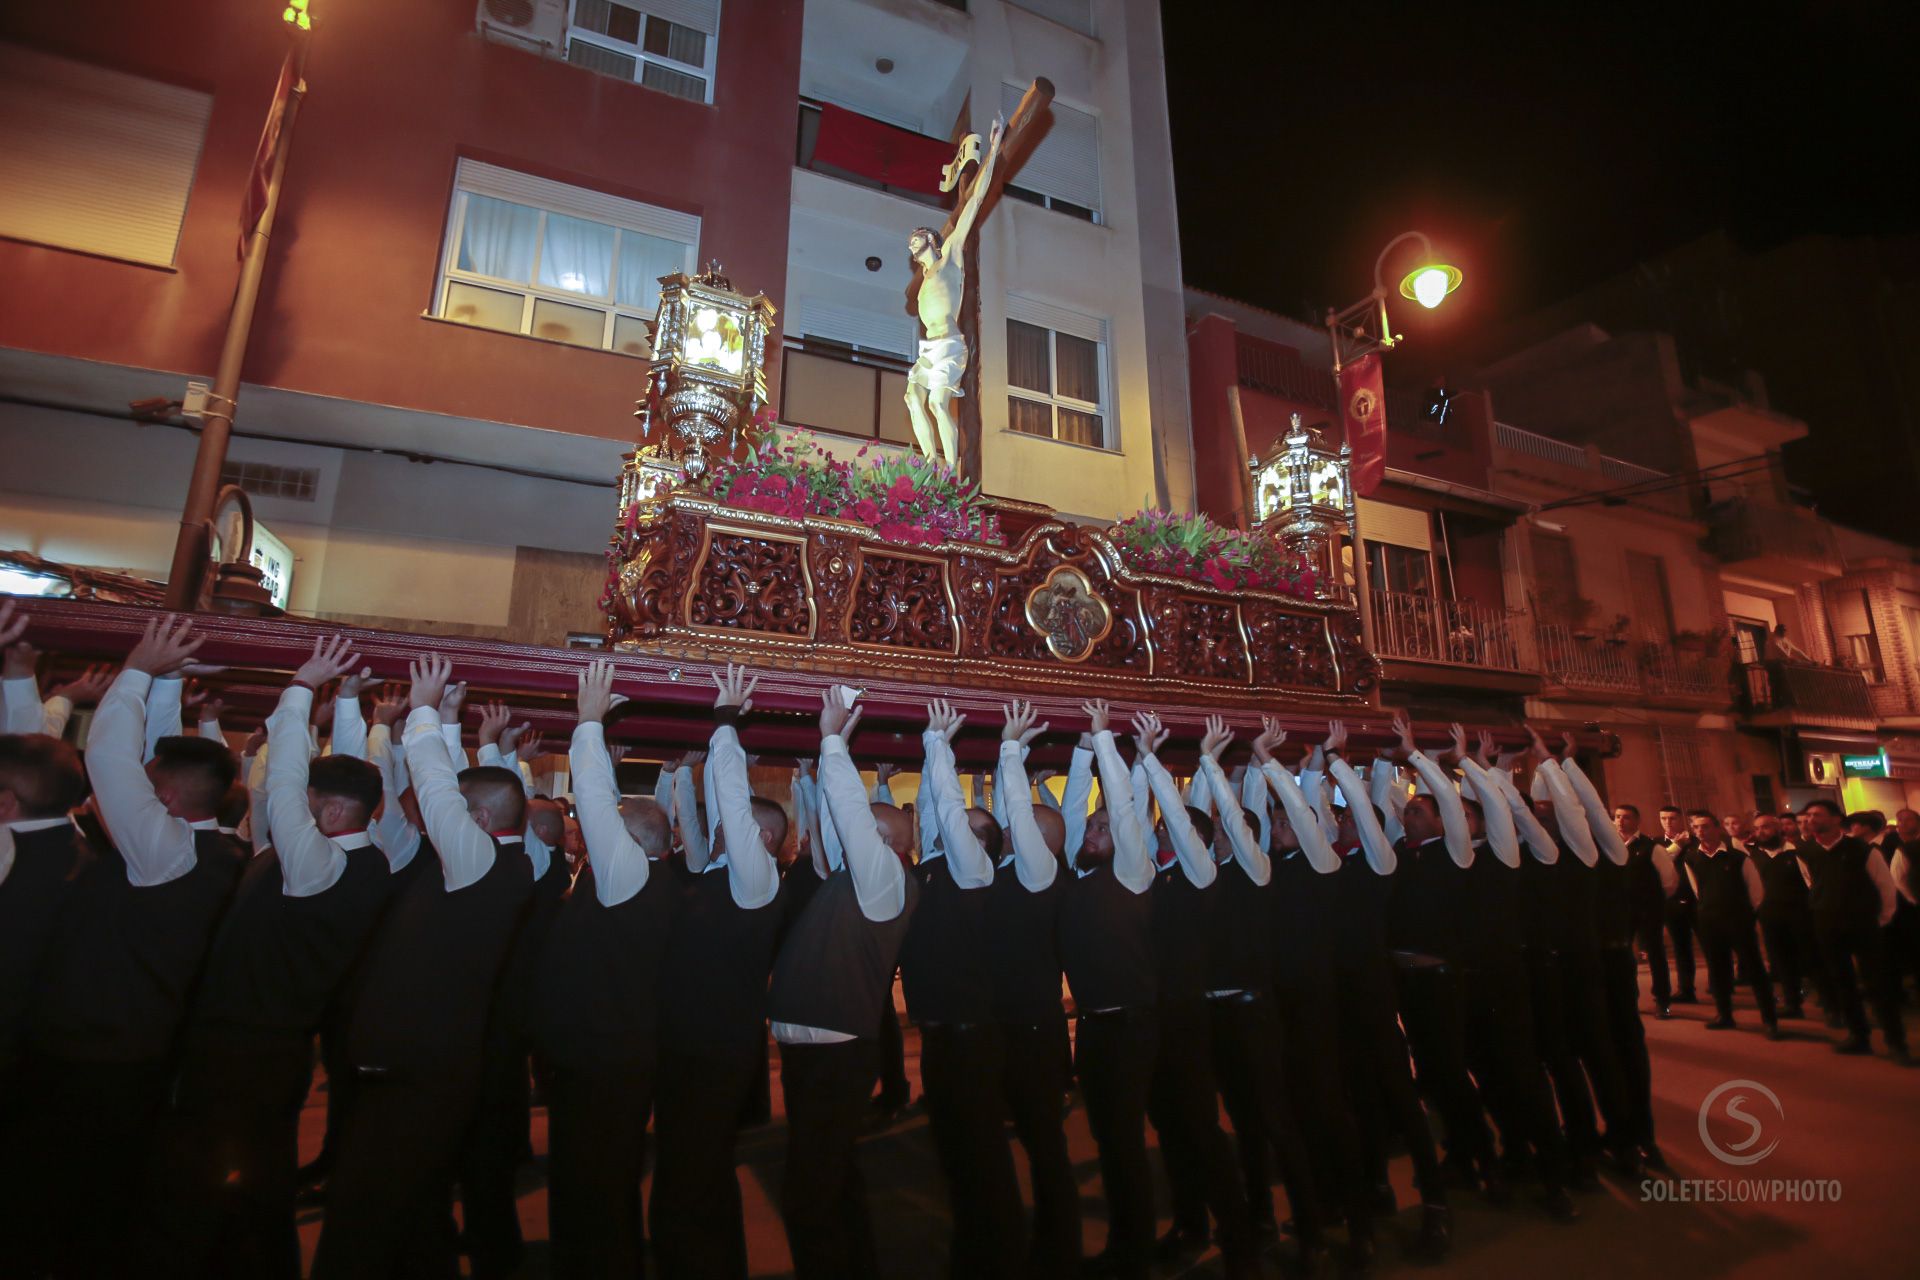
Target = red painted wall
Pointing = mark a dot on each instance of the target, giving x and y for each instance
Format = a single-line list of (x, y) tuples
[(397, 92)]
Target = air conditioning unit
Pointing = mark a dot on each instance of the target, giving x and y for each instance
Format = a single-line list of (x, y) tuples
[(539, 25)]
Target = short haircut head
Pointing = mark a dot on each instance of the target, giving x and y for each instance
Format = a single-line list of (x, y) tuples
[(1202, 825), (1872, 819), (1633, 809), (198, 769), (773, 822), (1053, 827), (1668, 808), (647, 823), (1708, 814), (347, 778), (500, 792), (234, 806), (44, 774), (548, 820), (986, 830), (1825, 806)]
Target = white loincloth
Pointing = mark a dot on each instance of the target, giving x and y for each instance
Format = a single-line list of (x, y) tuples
[(941, 364)]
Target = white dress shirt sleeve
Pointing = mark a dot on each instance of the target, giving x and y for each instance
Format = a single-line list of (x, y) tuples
[(1373, 837), (1453, 814), (1568, 815), (1195, 858), (259, 820), (310, 863), (1075, 800), (349, 728), (1497, 815), (1314, 845), (449, 735), (1668, 869), (882, 791), (879, 881), (1313, 785), (1255, 802), (663, 795), (926, 818), (55, 713), (466, 852), (1390, 795), (620, 865), (693, 832), (967, 861), (824, 858), (1045, 793), (753, 876), (163, 712), (1143, 806), (1250, 853), (1132, 859), (1901, 871), (1033, 862), (397, 838), (1883, 882), (1200, 792), (1526, 822), (156, 846), (1599, 821), (24, 712)]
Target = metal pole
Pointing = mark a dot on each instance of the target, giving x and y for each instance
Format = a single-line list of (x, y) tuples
[(1363, 593), (190, 551)]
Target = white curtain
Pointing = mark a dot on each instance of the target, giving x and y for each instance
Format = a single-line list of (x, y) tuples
[(577, 256), (643, 260), (498, 239)]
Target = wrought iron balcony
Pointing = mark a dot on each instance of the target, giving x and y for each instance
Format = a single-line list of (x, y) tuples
[(1789, 543), (1806, 689), (1425, 628), (1681, 673), (1576, 661)]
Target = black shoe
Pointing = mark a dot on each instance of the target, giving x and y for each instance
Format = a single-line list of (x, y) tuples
[(1722, 1023), (1854, 1045), (1686, 997), (1179, 1245), (1559, 1205), (1663, 1013), (1436, 1232), (1771, 1029), (1383, 1202)]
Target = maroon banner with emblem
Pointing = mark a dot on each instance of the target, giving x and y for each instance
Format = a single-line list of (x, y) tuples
[(1363, 411)]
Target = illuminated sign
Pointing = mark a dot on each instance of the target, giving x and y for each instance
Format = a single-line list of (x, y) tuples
[(1873, 766), (274, 559)]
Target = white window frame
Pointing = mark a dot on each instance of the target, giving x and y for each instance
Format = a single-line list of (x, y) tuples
[(640, 56), (1056, 321), (474, 178)]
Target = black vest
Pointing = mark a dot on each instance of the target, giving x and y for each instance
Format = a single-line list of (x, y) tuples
[(1242, 950), (30, 899), (1426, 913), (1722, 888), (513, 1000), (1842, 896), (431, 967), (1106, 943), (614, 1019), (1360, 896), (1302, 902), (1559, 903), (1183, 929), (945, 971), (1646, 896), (1785, 885), (1683, 895), (1613, 908), (276, 960), (835, 969), (1494, 911), (1023, 941), (123, 960), (713, 994)]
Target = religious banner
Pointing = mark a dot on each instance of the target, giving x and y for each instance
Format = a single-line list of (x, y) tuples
[(1363, 409), (873, 149), (255, 202)]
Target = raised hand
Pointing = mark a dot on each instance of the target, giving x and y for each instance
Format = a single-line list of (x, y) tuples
[(212, 709), (803, 767), (1270, 737), (596, 696), (885, 772), (165, 648), (1100, 714), (256, 742), (352, 682), (736, 687), (1336, 737), (837, 719), (1567, 748), (943, 719), (529, 748), (430, 675), (21, 659), (493, 722), (693, 759), (322, 710), (86, 688), (390, 705), (452, 698), (1216, 738), (1539, 744), (1456, 742), (512, 738), (13, 623), (1020, 726), (1403, 730), (1148, 733), (1486, 750), (332, 658)]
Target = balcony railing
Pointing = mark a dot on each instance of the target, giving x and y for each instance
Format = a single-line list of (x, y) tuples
[(1462, 632), (1740, 531), (1578, 662), (809, 135), (1680, 673), (1824, 692)]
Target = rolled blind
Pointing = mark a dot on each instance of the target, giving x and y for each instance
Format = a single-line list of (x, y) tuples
[(96, 160), (701, 15), (1401, 526), (1077, 14), (1066, 164), (856, 326), (1058, 319)]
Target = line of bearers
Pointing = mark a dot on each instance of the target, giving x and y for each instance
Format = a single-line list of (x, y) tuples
[(162, 983)]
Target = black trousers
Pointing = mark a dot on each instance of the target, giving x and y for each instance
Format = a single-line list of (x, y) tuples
[(1504, 1058), (1794, 959), (596, 1157), (388, 1194), (72, 1159), (1373, 1052), (489, 1158), (823, 1197), (1319, 1098), (1583, 990), (1553, 1041), (698, 1226), (1114, 1058), (1433, 1011), (1033, 1082), (1727, 941), (1903, 941), (1650, 935), (960, 1070), (1184, 1105), (891, 1068), (1680, 918), (1842, 949), (1249, 1060), (221, 1186), (340, 1081), (1620, 984)]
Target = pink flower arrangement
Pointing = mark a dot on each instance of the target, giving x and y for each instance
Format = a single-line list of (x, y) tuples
[(1195, 547)]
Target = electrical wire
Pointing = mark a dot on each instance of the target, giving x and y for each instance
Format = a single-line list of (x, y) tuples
[(1753, 465)]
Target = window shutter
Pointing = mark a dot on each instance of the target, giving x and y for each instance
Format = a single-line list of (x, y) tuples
[(1058, 319), (1077, 14), (1401, 526), (96, 160), (701, 15), (1066, 164), (818, 318), (595, 206)]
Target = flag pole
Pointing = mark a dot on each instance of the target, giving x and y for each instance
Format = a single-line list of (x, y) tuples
[(192, 545)]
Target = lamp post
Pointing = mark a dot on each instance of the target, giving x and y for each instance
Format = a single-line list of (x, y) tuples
[(1362, 329)]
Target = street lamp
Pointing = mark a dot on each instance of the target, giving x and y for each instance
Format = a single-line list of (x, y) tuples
[(1362, 328)]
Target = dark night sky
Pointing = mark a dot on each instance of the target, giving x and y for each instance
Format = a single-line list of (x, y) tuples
[(1542, 153)]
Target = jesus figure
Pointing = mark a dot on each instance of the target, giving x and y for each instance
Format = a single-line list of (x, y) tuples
[(935, 378)]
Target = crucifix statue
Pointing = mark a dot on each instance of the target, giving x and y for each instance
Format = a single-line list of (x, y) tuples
[(949, 316)]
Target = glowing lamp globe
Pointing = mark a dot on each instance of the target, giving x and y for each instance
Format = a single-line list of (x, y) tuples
[(1430, 285)]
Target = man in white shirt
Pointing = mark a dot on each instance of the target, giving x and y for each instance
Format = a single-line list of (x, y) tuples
[(41, 780), (1852, 897), (1728, 889), (834, 970)]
